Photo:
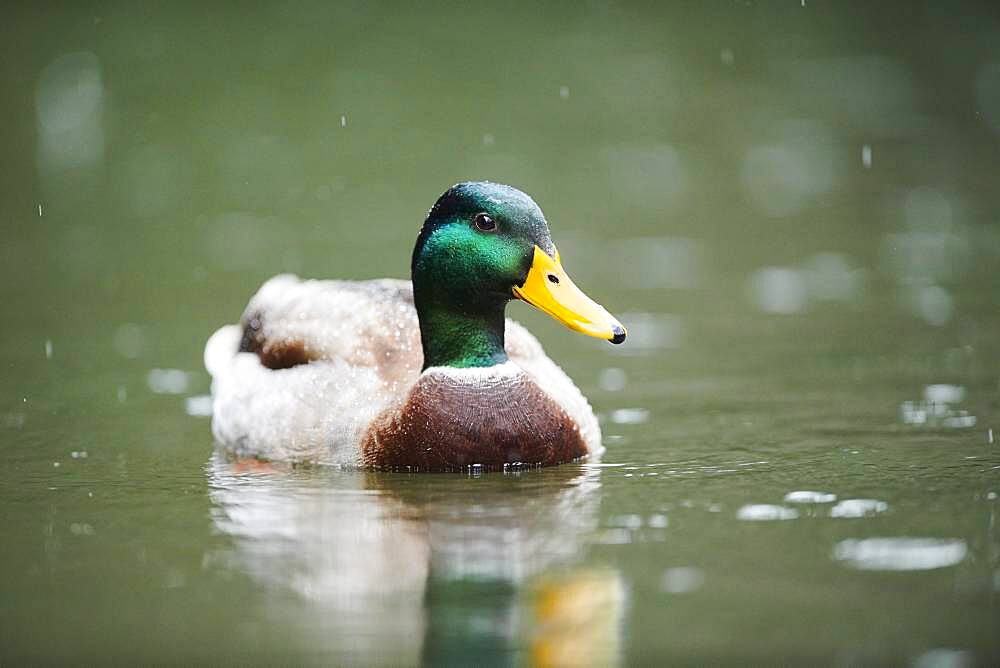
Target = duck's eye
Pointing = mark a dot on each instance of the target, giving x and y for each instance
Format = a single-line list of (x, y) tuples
[(484, 223)]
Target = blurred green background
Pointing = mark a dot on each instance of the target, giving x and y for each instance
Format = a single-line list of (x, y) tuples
[(793, 206)]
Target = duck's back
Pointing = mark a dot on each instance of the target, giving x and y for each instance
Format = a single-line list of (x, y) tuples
[(313, 363), (370, 324)]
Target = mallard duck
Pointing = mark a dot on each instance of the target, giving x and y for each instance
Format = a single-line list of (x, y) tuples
[(426, 375)]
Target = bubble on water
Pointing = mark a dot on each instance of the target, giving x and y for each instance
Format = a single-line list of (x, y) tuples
[(564, 92), (682, 579), (48, 348), (780, 290), (945, 658), (854, 508), (937, 408), (167, 381), (900, 554), (911, 412), (629, 415), (805, 496), (198, 406), (944, 393), (866, 156), (489, 139), (727, 57), (78, 454), (961, 421), (764, 512), (128, 340), (612, 379), (658, 521), (932, 303), (69, 109)]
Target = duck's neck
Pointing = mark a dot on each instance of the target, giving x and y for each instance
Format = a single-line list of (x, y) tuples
[(461, 337)]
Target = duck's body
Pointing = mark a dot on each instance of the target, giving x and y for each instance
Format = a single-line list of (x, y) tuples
[(347, 405), (359, 374)]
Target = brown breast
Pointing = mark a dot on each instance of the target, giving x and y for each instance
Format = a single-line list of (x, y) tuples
[(452, 420)]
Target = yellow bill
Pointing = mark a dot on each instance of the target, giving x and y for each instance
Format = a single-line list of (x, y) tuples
[(549, 289)]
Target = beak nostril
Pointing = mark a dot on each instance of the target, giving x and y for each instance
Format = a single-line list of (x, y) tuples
[(553, 279)]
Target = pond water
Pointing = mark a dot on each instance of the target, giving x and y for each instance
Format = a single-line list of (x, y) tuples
[(793, 208)]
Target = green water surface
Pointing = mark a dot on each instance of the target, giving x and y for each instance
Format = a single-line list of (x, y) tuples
[(793, 206)]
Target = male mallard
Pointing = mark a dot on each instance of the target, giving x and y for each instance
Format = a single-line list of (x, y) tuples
[(334, 372)]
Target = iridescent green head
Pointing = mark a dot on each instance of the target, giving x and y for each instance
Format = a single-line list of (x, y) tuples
[(482, 245), (477, 243)]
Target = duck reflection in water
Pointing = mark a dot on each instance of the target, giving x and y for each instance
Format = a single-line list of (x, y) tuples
[(397, 569)]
